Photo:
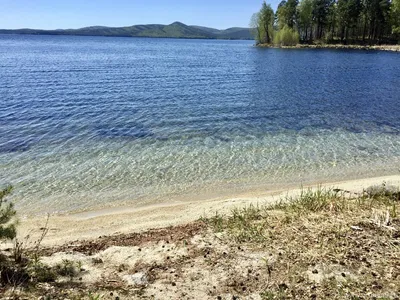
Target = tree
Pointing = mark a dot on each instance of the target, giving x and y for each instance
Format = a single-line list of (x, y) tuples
[(320, 16), (348, 15), (395, 16), (255, 27), (291, 13), (281, 15), (286, 37), (287, 13), (356, 21), (7, 214), (305, 14), (267, 21)]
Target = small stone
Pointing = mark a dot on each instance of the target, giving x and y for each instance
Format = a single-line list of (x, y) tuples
[(136, 279), (356, 228), (315, 271), (96, 260), (283, 286), (173, 284)]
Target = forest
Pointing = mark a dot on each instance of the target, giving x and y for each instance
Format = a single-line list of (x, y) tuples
[(360, 22)]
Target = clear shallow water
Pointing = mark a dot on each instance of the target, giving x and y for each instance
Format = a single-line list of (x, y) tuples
[(91, 121)]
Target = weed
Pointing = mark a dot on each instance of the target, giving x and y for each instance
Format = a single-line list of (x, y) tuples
[(94, 297), (68, 268), (313, 200), (41, 273)]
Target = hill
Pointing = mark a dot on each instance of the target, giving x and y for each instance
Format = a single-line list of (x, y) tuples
[(174, 30)]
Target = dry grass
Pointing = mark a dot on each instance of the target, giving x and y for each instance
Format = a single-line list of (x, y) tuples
[(324, 244)]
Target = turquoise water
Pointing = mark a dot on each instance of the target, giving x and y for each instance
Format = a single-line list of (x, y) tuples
[(93, 121)]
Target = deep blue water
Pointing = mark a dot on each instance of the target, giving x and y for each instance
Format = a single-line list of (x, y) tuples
[(86, 121)]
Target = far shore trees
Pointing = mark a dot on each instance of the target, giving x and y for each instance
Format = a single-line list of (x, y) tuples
[(262, 24), (328, 21)]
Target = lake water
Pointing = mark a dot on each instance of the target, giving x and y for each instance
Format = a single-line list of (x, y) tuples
[(93, 121)]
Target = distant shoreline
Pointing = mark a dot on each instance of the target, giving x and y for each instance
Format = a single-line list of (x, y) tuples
[(174, 30), (126, 36), (393, 48)]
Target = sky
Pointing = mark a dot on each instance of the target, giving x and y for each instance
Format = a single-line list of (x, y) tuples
[(64, 14)]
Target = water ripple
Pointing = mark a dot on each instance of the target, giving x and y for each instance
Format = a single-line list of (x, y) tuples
[(89, 121)]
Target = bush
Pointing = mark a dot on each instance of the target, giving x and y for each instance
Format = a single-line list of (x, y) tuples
[(7, 214), (286, 37), (68, 268)]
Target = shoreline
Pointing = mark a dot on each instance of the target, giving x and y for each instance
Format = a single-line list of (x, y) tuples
[(127, 219), (338, 242), (392, 48)]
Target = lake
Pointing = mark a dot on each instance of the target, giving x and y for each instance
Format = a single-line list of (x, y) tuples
[(87, 122)]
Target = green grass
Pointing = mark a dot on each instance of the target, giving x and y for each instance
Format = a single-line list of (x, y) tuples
[(255, 223), (313, 200)]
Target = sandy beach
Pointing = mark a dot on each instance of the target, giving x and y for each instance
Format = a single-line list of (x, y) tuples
[(224, 248), (93, 224)]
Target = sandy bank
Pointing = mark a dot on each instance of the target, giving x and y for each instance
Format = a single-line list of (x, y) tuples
[(393, 48), (91, 225)]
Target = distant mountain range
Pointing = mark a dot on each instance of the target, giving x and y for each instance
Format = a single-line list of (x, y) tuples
[(174, 30)]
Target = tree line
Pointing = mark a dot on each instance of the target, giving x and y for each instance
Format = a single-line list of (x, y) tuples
[(328, 21)]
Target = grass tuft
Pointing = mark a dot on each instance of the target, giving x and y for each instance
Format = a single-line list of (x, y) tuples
[(313, 200)]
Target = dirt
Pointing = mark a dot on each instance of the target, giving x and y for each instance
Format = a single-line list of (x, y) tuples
[(169, 235), (314, 256)]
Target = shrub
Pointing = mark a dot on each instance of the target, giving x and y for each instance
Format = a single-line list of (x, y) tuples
[(286, 37), (68, 268), (7, 216)]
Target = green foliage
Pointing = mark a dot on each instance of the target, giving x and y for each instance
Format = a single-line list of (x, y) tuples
[(331, 21), (313, 200), (286, 37), (287, 13), (305, 18), (254, 27), (244, 224), (7, 216), (68, 268), (395, 16), (39, 272), (266, 20), (94, 297)]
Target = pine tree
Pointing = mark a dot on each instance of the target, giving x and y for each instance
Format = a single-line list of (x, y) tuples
[(7, 216)]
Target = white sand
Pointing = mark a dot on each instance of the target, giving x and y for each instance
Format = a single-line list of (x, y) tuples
[(90, 225)]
